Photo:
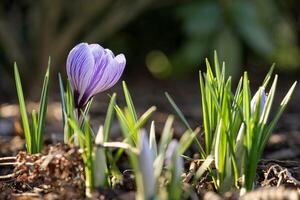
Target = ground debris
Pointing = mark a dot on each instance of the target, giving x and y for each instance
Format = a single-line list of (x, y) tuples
[(277, 173), (58, 171), (276, 180), (272, 193)]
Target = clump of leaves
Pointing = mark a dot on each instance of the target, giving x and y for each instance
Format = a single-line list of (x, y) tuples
[(34, 132), (236, 124), (157, 168)]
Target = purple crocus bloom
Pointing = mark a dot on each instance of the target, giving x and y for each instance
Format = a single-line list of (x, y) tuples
[(92, 69)]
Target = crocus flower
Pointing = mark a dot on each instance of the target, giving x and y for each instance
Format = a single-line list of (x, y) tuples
[(92, 69), (99, 163), (146, 161), (254, 101), (174, 160)]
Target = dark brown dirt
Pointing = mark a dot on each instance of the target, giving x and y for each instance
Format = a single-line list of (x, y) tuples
[(57, 171)]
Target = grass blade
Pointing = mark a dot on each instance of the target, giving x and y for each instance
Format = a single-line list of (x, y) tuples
[(143, 119), (246, 109), (205, 113), (109, 116), (217, 68), (23, 111), (81, 138), (34, 131), (178, 111), (124, 124), (129, 102), (167, 134), (268, 76), (43, 110), (282, 107), (62, 99), (186, 140), (267, 108), (184, 121), (89, 159), (86, 112), (205, 165)]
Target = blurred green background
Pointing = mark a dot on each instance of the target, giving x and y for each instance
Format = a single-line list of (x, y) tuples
[(162, 39)]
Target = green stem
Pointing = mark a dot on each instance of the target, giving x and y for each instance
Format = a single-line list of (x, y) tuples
[(88, 179)]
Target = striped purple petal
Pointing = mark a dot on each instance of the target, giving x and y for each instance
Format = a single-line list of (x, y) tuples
[(111, 73), (92, 69), (80, 64)]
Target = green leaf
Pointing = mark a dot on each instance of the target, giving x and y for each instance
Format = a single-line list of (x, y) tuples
[(86, 112), (166, 135), (124, 124), (178, 111), (144, 118), (109, 116), (268, 105), (268, 76), (81, 138), (205, 165), (34, 135), (23, 111), (217, 67), (205, 113), (89, 182), (240, 148), (88, 137), (165, 139), (282, 107), (246, 109), (69, 131), (43, 110), (129, 102), (218, 148), (184, 121), (213, 94), (186, 140), (62, 98), (209, 72)]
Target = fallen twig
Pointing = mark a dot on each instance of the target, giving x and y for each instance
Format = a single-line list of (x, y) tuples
[(10, 176)]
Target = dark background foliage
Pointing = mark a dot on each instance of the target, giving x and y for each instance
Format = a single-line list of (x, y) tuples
[(166, 39)]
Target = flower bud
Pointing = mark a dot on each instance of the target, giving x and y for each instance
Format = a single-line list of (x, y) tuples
[(263, 97), (92, 69)]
